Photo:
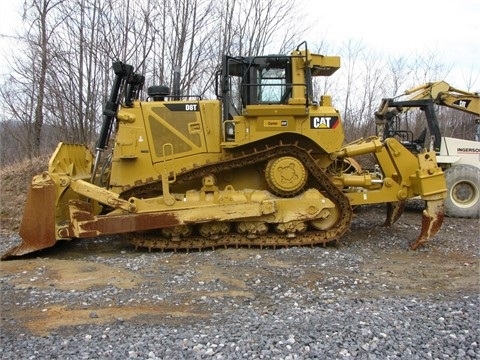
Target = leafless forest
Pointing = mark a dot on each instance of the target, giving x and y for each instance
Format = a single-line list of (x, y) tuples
[(61, 64)]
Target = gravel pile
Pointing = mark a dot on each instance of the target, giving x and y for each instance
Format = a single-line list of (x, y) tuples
[(387, 328), (369, 297)]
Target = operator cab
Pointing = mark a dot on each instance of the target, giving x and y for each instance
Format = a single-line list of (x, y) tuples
[(253, 81), (270, 85)]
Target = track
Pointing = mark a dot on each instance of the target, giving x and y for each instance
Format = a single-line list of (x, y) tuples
[(241, 160)]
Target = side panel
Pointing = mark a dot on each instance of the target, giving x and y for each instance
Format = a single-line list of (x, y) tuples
[(322, 124), (189, 127), (131, 159), (325, 127), (163, 136)]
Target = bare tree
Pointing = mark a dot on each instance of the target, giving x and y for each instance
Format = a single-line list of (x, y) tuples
[(24, 92), (62, 76), (350, 76), (38, 37), (426, 67), (257, 27), (74, 98)]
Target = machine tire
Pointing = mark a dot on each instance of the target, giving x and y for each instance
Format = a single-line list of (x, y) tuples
[(463, 191)]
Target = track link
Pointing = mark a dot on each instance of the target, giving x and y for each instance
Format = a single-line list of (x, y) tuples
[(239, 160)]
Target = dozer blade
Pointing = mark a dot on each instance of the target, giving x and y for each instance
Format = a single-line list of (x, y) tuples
[(37, 229), (394, 211), (432, 219)]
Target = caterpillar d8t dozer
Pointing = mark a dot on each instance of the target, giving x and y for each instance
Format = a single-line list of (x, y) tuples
[(265, 164)]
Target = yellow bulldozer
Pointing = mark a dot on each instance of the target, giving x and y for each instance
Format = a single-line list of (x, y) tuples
[(264, 164)]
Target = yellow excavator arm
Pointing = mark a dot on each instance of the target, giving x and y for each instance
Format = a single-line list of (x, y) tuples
[(424, 97), (446, 95)]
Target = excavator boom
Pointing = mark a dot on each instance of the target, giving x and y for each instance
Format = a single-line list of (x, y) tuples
[(447, 95)]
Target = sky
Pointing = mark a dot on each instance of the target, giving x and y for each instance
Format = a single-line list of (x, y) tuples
[(406, 28), (403, 28)]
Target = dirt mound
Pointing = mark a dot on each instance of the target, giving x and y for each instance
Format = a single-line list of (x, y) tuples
[(14, 182)]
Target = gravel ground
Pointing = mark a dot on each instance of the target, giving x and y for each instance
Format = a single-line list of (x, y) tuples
[(368, 297)]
